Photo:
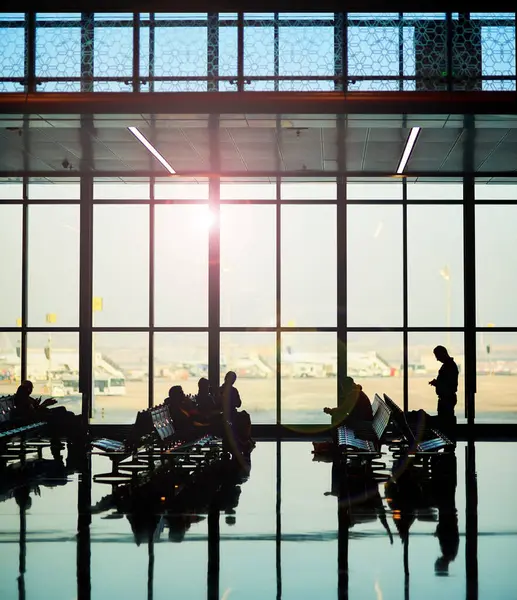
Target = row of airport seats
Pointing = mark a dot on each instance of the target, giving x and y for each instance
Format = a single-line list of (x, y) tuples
[(364, 441), (15, 435), (153, 440)]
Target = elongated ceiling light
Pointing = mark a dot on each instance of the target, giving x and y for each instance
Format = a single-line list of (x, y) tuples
[(411, 141), (141, 138)]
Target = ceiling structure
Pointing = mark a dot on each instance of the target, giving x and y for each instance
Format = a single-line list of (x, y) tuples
[(56, 145)]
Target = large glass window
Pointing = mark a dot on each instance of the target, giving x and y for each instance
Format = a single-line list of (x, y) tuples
[(374, 271), (309, 371), (120, 376), (496, 265), (179, 359), (11, 249), (374, 361), (252, 356), (309, 292), (121, 265), (181, 265), (53, 297), (435, 266), (496, 371), (248, 262), (53, 367)]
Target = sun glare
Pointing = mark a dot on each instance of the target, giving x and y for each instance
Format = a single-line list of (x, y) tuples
[(207, 220)]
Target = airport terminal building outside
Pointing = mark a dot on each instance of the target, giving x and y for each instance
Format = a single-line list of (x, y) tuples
[(283, 228)]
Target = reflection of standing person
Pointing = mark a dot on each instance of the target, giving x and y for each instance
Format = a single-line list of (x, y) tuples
[(446, 384)]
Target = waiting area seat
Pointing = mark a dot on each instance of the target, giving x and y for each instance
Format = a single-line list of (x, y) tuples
[(418, 440), (365, 437), (152, 438), (15, 433)]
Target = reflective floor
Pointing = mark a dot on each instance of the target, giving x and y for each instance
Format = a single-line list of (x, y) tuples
[(278, 534)]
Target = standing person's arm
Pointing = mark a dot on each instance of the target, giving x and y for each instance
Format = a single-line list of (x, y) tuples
[(237, 398)]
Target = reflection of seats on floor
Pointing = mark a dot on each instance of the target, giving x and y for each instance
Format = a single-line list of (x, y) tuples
[(152, 438)]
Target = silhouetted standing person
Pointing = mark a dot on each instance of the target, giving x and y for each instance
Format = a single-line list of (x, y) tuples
[(446, 384)]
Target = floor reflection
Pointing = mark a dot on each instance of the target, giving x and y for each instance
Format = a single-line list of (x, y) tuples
[(289, 527)]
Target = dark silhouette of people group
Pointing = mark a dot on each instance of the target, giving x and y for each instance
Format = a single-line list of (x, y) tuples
[(61, 423), (215, 413), (354, 406)]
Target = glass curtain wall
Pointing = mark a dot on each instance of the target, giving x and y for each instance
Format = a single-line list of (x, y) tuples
[(277, 325)]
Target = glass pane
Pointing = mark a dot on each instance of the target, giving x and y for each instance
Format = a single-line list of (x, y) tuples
[(374, 361), (496, 369), (11, 247), (181, 265), (181, 52), (259, 54), (431, 191), (120, 190), (113, 52), (423, 367), (244, 190), (253, 358), (248, 266), (309, 267), (435, 266), (12, 52), (364, 190), (496, 191), (121, 265), (58, 52), (10, 191), (53, 295), (306, 52), (308, 190), (179, 359), (45, 190), (496, 265), (120, 367), (53, 367), (309, 370), (10, 362), (181, 190), (374, 273)]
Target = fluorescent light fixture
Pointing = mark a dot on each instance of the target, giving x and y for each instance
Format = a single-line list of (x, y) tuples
[(141, 138), (411, 141)]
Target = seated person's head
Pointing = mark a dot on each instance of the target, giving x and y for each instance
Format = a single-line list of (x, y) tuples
[(176, 394), (230, 378), (27, 384), (203, 385), (22, 391)]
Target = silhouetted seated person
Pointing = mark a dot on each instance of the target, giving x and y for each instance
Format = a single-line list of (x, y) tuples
[(205, 400), (61, 422), (187, 420), (446, 386), (240, 422), (354, 407)]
